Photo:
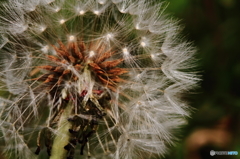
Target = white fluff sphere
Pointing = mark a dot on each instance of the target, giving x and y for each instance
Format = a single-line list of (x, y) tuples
[(121, 63)]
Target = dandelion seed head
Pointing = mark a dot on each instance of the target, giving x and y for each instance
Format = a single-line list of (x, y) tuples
[(117, 64)]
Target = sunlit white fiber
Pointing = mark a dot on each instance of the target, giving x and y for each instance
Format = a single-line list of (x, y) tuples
[(121, 65), (71, 38), (62, 21), (81, 12)]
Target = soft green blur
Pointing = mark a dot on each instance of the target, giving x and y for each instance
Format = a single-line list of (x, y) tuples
[(214, 27)]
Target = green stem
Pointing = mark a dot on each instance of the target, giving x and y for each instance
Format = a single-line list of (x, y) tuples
[(63, 135)]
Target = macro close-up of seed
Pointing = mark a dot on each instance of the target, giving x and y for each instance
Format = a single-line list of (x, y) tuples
[(92, 79)]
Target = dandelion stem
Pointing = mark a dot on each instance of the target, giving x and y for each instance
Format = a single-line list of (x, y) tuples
[(62, 136)]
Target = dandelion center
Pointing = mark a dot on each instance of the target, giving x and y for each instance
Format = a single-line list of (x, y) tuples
[(97, 62), (95, 72)]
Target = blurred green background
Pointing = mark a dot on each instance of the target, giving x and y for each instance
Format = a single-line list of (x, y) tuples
[(214, 27)]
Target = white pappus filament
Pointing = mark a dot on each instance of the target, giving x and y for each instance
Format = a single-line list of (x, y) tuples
[(116, 66)]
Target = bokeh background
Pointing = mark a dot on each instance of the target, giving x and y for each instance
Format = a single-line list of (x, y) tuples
[(214, 27)]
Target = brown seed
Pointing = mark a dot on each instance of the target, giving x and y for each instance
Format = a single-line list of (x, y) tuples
[(117, 71), (49, 78), (111, 64), (47, 67), (104, 56), (59, 69), (53, 59)]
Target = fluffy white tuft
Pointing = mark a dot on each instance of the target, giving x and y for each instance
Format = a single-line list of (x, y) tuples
[(145, 108)]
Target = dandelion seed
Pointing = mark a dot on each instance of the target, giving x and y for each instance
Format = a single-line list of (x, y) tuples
[(45, 49), (91, 53), (62, 21), (137, 26), (42, 28), (81, 12), (152, 56), (57, 9), (96, 12), (125, 51), (71, 38), (105, 84), (143, 44), (102, 1), (109, 36)]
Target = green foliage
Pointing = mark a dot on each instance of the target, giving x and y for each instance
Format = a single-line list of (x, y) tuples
[(214, 28)]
